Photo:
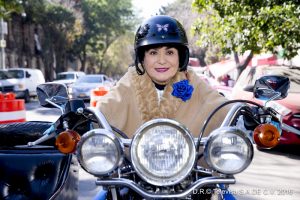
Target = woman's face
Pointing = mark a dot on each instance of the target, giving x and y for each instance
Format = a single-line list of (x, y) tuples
[(161, 63)]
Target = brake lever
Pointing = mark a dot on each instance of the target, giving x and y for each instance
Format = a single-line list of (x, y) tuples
[(49, 133)]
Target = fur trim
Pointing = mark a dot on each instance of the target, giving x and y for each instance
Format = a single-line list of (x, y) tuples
[(147, 99)]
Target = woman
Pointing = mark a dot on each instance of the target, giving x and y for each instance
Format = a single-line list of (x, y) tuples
[(160, 85)]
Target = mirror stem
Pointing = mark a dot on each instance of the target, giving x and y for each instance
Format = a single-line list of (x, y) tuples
[(57, 106), (277, 94)]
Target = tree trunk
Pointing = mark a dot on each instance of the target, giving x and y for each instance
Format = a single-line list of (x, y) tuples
[(83, 60), (244, 64)]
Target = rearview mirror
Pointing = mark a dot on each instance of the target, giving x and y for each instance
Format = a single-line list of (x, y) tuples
[(271, 87), (55, 92)]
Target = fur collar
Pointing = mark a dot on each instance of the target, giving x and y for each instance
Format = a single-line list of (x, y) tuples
[(147, 98)]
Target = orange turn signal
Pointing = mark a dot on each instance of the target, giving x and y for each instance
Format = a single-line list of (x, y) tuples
[(66, 141), (266, 136)]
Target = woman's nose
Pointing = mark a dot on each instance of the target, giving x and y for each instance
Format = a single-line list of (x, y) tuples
[(161, 58)]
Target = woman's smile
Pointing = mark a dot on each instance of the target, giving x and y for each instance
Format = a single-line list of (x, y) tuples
[(161, 69)]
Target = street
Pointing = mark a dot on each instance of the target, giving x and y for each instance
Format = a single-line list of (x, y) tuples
[(272, 174)]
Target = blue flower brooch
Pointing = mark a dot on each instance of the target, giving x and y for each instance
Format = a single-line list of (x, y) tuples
[(182, 90)]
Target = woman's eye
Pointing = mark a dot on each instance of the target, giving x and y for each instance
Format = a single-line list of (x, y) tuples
[(152, 52), (170, 52)]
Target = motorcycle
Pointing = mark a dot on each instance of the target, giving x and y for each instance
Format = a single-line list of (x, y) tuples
[(32, 164), (160, 162)]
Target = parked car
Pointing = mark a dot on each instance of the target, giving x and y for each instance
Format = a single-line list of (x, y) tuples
[(68, 78), (25, 80), (5, 85), (84, 85), (288, 107)]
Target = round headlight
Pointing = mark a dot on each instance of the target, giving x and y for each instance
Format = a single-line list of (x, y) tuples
[(163, 152), (228, 150), (99, 152)]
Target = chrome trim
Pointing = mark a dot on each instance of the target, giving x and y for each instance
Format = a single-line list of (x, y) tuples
[(204, 171), (290, 129), (95, 132), (48, 134), (276, 94), (296, 115), (61, 108), (224, 130), (100, 118), (202, 142), (183, 173), (141, 191), (232, 113), (127, 142)]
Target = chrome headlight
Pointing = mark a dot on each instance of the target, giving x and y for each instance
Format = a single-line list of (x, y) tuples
[(228, 150), (99, 152), (163, 152)]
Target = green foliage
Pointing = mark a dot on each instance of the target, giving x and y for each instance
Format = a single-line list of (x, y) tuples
[(183, 11), (57, 20), (241, 25), (75, 29), (103, 21), (120, 55), (9, 7), (55, 23)]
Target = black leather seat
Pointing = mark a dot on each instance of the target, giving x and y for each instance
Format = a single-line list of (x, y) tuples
[(34, 173), (31, 174)]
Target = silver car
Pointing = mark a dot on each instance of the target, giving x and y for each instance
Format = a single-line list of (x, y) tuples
[(85, 84), (68, 78)]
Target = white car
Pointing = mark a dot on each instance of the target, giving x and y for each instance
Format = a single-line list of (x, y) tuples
[(25, 80), (6, 86), (84, 85), (68, 78)]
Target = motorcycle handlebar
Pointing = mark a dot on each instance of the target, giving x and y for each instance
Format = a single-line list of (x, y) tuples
[(127, 142), (290, 129), (100, 118)]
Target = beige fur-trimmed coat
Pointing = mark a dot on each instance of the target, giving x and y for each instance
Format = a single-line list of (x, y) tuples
[(134, 100)]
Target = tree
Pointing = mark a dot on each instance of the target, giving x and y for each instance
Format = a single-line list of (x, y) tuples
[(9, 7), (57, 22), (255, 25), (120, 55), (183, 11), (103, 22)]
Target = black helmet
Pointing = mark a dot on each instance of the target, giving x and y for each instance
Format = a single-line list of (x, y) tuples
[(161, 30)]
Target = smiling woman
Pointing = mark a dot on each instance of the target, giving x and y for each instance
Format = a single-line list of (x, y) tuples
[(160, 85)]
